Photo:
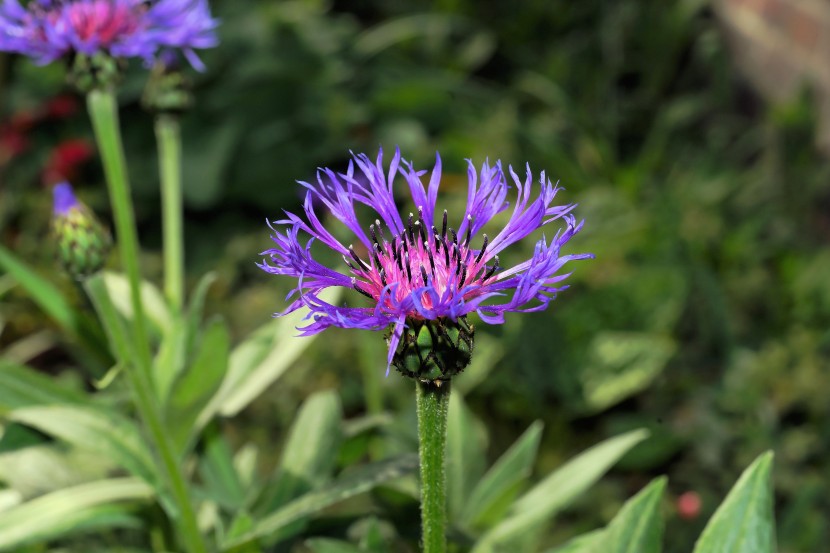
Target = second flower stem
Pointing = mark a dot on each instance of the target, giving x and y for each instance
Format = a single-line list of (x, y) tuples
[(432, 406), (103, 110), (168, 136)]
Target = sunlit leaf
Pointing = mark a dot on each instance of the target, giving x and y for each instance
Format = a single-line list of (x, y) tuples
[(558, 490), (638, 527), (493, 494), (348, 485), (745, 521), (81, 508)]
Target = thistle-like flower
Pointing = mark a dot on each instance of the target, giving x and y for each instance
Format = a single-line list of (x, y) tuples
[(422, 274), (83, 243), (47, 30)]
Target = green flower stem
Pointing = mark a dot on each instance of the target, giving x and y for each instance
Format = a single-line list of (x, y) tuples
[(432, 405), (168, 137), (103, 110)]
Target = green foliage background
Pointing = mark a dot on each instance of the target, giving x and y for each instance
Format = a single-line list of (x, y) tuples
[(704, 317)]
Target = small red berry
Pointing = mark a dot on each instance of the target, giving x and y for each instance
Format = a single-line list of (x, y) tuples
[(688, 505)]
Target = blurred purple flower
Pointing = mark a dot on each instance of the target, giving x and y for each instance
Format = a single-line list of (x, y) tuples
[(412, 269), (46, 30)]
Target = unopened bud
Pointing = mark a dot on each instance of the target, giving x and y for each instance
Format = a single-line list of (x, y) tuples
[(83, 243)]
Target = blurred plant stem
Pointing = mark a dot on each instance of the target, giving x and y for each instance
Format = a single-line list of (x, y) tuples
[(168, 136), (432, 406), (103, 110)]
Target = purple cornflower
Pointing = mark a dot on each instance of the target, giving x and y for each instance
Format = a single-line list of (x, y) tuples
[(418, 268), (47, 30)]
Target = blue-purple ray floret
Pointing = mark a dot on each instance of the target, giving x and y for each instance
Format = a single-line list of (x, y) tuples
[(47, 30), (425, 265)]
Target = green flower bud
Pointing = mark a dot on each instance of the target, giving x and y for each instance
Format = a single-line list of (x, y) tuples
[(167, 90), (98, 71), (434, 350), (83, 243)]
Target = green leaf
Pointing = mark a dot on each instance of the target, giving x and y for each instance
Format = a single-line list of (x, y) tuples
[(349, 485), (258, 362), (558, 490), (466, 454), (622, 364), (197, 384), (196, 308), (218, 473), (94, 429), (309, 454), (52, 302), (492, 495), (744, 522), (69, 510), (155, 306), (638, 527), (586, 543), (41, 291), (21, 386), (323, 545)]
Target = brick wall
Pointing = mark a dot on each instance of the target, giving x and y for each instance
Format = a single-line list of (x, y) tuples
[(781, 46)]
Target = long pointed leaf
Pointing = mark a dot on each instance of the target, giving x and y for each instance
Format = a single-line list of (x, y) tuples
[(309, 453), (21, 386), (558, 490), (54, 304), (257, 363), (466, 453), (744, 523), (638, 527), (345, 487), (70, 509), (95, 429), (501, 481)]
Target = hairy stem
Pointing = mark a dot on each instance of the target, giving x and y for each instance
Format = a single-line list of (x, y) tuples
[(432, 405)]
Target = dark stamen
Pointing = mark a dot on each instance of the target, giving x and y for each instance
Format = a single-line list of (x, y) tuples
[(374, 234), (444, 226), (492, 270), (377, 252), (408, 268), (463, 275), (422, 231), (359, 261), (383, 276), (483, 249), (362, 291), (431, 261), (454, 236), (424, 276), (349, 263), (446, 252), (395, 248), (380, 229), (469, 230)]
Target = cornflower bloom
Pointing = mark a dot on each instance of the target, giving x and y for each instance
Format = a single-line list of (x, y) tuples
[(47, 30), (421, 275)]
